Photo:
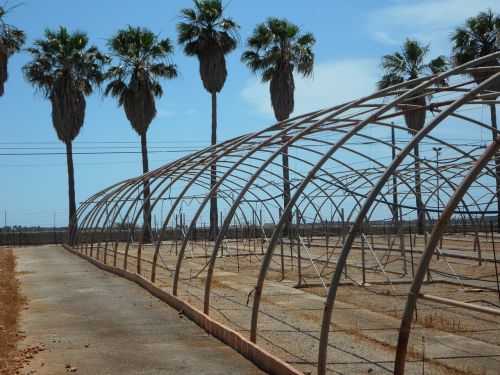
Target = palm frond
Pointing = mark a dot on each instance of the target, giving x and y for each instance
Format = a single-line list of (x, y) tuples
[(206, 34), (476, 38), (157, 90), (276, 43), (394, 64), (116, 88), (143, 58), (11, 41), (408, 64), (205, 22), (253, 60), (65, 69), (65, 53), (306, 40), (276, 49), (268, 74), (388, 80), (164, 70), (438, 65)]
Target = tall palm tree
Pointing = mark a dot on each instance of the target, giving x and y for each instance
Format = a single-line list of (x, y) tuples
[(206, 34), (406, 65), (143, 59), (277, 48), (65, 70), (11, 41), (478, 37)]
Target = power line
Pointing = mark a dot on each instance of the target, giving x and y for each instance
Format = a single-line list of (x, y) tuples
[(100, 142), (94, 153), (90, 163), (90, 147)]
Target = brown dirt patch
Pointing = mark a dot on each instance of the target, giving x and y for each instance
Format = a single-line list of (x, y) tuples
[(11, 302)]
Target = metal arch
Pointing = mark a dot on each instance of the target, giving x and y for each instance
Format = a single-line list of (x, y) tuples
[(344, 139), (89, 218), (404, 330), (112, 207), (169, 168), (369, 200), (182, 163), (255, 155), (193, 221), (277, 229), (195, 181), (236, 202), (184, 168), (401, 181), (185, 165), (186, 188), (83, 207), (192, 156)]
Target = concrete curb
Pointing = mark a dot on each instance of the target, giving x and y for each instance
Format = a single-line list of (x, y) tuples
[(251, 351)]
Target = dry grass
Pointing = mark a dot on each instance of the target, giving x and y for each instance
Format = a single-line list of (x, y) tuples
[(11, 302), (437, 320)]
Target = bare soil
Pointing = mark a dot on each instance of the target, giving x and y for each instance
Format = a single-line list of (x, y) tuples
[(11, 303)]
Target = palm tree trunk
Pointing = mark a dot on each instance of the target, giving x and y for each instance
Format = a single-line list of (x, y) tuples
[(147, 204), (213, 174), (493, 113), (72, 223), (286, 191), (3, 68), (418, 194)]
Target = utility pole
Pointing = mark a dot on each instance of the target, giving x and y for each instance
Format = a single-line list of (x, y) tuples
[(438, 152), (54, 225), (394, 182)]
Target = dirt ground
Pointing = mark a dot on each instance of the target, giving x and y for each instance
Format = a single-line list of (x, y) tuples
[(11, 303)]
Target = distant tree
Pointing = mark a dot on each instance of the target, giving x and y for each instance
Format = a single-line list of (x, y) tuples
[(11, 41), (206, 34), (66, 70), (406, 65), (478, 37), (143, 59), (277, 48)]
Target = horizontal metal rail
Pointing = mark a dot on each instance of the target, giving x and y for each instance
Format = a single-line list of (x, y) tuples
[(463, 305)]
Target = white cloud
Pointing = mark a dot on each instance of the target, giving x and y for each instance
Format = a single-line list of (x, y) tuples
[(166, 112), (384, 37), (427, 21), (334, 82)]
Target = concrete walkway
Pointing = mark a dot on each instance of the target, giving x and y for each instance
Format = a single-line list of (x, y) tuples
[(92, 322)]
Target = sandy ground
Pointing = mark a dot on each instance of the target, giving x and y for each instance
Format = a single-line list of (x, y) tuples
[(11, 303)]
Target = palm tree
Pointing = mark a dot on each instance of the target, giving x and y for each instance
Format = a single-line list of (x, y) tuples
[(66, 70), (143, 59), (404, 66), (478, 37), (277, 48), (206, 34), (11, 41)]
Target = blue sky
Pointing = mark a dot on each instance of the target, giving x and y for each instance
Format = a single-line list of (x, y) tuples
[(351, 38)]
